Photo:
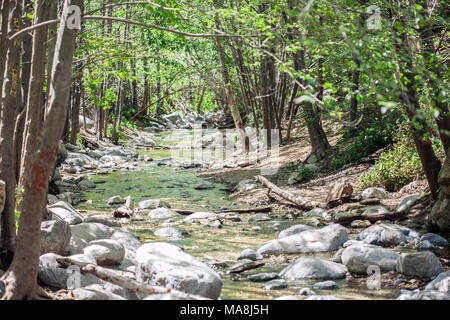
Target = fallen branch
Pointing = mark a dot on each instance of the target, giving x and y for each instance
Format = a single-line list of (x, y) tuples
[(303, 204), (392, 216), (249, 210), (246, 267), (124, 282)]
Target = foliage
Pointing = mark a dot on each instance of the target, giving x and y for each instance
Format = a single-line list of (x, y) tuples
[(367, 141), (306, 172), (397, 167)]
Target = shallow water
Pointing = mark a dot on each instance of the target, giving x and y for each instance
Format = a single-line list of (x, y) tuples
[(209, 245), (223, 245)]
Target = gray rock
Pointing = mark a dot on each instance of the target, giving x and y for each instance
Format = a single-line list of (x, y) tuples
[(250, 254), (432, 295), (440, 283), (215, 224), (116, 200), (172, 233), (407, 203), (435, 239), (87, 184), (323, 298), (421, 264), (326, 285), (259, 217), (55, 235), (317, 212), (94, 292), (106, 252), (379, 193), (358, 258), (277, 284), (168, 266), (204, 186), (64, 211), (306, 292), (163, 213), (263, 277), (387, 234), (153, 204), (326, 239), (425, 245), (287, 298), (200, 216), (374, 211), (127, 239), (84, 233), (103, 220), (439, 217), (51, 199), (313, 268), (52, 275), (338, 256)]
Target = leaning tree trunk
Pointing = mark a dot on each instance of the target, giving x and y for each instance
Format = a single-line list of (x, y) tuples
[(21, 277), (10, 102), (430, 163)]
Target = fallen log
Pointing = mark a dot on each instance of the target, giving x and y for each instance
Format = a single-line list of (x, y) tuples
[(301, 203), (117, 279), (248, 210), (391, 216)]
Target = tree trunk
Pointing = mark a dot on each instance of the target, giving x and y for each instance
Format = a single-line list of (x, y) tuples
[(319, 142), (4, 40), (34, 102), (21, 277), (10, 103), (51, 43), (430, 163), (75, 125), (231, 102)]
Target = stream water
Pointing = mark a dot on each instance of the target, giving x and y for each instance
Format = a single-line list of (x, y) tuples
[(176, 186)]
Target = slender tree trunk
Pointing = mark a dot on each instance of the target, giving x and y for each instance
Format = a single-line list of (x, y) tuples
[(231, 102), (21, 278), (4, 40), (34, 102), (75, 125), (51, 43), (26, 49), (10, 103)]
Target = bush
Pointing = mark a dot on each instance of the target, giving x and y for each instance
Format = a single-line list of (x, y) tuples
[(367, 141), (307, 172), (396, 168)]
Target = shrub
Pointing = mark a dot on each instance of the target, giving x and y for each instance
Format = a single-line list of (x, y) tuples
[(367, 141), (397, 167)]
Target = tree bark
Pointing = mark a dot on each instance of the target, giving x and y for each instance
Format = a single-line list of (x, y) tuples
[(231, 102), (20, 279), (34, 101), (10, 103)]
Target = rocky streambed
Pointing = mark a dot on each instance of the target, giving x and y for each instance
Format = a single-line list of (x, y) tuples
[(224, 255)]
